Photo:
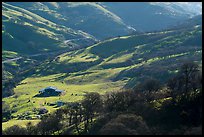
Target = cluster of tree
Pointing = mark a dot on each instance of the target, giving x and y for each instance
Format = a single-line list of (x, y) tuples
[(7, 88), (9, 82), (70, 116), (131, 112)]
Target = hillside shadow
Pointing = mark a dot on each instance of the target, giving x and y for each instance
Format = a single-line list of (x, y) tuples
[(61, 77)]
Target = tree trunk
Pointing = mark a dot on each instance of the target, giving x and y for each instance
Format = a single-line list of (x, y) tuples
[(70, 120)]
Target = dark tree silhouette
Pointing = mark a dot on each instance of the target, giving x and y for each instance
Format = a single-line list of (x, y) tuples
[(14, 130), (50, 123), (91, 104), (149, 85), (188, 72), (188, 79), (126, 124)]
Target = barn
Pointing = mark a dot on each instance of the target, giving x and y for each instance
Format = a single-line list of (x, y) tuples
[(51, 91)]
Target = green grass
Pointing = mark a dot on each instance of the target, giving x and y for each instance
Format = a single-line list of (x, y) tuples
[(80, 57), (75, 71), (18, 122), (78, 83), (30, 87), (120, 59)]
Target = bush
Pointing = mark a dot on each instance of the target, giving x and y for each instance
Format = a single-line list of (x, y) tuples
[(149, 85), (50, 123), (15, 130), (126, 124)]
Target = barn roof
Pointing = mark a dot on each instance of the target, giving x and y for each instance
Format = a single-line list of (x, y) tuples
[(50, 87), (53, 88), (57, 90)]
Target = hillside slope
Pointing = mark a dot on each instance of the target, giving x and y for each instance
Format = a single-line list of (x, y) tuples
[(136, 51), (108, 66), (89, 17), (42, 35), (109, 19), (147, 16), (26, 34)]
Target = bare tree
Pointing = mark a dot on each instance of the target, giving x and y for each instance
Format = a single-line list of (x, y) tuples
[(188, 79)]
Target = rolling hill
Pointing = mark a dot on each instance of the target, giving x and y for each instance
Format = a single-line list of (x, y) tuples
[(56, 44), (110, 65), (132, 56), (50, 24), (26, 34), (89, 17), (42, 34), (108, 19), (147, 16)]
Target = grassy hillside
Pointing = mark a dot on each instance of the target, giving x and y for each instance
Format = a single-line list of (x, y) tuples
[(107, 19), (25, 33), (48, 25), (89, 17), (130, 51), (42, 35), (108, 66)]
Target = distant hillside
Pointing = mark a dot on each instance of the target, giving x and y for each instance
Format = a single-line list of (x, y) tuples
[(145, 16), (108, 19), (191, 8), (86, 16), (28, 33), (196, 20)]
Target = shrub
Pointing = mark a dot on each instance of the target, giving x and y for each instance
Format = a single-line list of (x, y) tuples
[(15, 130), (126, 124)]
